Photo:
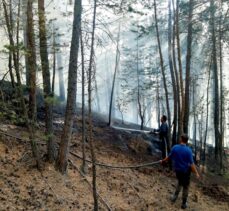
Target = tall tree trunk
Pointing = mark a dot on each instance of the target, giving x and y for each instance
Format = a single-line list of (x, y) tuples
[(158, 103), (17, 30), (117, 58), (139, 97), (46, 82), (215, 78), (11, 16), (178, 91), (162, 69), (194, 116), (10, 53), (96, 206), (11, 70), (54, 64), (188, 68), (207, 111), (97, 94), (60, 74), (172, 72), (194, 137), (181, 93), (31, 56), (83, 167), (71, 96), (24, 18), (221, 137), (200, 123)]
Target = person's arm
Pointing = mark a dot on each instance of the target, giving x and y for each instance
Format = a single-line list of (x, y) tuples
[(192, 166), (194, 170), (164, 160), (170, 156), (156, 130)]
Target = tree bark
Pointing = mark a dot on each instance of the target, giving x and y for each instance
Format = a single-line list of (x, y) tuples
[(188, 69), (162, 69), (172, 72), (83, 167), (178, 91), (140, 107), (194, 116), (93, 156), (96, 93), (10, 53), (215, 78), (60, 74), (17, 30), (10, 66), (181, 93), (24, 18), (221, 138), (31, 56), (207, 111), (158, 102), (54, 64), (71, 96), (117, 58), (46, 82)]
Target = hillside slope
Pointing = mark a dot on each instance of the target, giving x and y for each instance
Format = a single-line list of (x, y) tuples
[(22, 187)]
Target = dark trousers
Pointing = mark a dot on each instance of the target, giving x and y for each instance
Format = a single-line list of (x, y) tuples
[(165, 147), (183, 181)]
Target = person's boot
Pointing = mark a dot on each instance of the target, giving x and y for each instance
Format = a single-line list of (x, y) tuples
[(174, 198), (184, 204)]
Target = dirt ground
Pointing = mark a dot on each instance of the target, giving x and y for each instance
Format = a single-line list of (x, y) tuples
[(22, 187)]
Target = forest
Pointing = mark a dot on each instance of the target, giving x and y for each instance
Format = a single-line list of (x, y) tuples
[(84, 86)]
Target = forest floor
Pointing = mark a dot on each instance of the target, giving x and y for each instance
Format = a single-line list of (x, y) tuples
[(22, 187)]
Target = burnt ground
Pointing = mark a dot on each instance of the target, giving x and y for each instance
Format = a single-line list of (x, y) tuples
[(22, 187)]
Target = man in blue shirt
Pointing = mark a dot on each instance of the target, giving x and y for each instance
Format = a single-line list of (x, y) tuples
[(181, 156)]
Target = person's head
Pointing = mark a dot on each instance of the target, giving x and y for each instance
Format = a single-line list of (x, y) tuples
[(184, 138), (163, 118)]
